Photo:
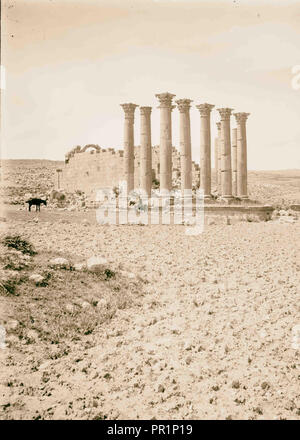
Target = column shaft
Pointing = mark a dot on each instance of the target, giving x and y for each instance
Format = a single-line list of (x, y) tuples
[(129, 144), (234, 161), (216, 162), (205, 148), (146, 151), (226, 173), (185, 144), (165, 150), (219, 158), (242, 191)]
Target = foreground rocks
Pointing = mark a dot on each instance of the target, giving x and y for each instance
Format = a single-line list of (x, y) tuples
[(96, 264)]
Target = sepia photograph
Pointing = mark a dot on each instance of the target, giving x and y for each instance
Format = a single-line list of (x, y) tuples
[(150, 213)]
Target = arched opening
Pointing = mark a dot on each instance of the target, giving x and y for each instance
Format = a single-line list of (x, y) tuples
[(96, 147)]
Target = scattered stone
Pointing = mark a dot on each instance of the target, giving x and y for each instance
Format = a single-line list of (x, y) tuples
[(96, 264), (287, 219), (32, 334), (70, 308), (12, 325), (79, 266), (44, 365), (188, 346), (59, 263), (102, 303), (188, 360), (160, 388), (129, 275), (265, 385), (85, 304), (36, 278)]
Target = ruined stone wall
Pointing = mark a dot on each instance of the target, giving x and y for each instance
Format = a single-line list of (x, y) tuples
[(89, 169)]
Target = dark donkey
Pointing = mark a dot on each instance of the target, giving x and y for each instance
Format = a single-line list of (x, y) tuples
[(37, 203)]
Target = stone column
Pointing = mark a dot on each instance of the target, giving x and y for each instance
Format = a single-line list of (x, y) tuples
[(216, 162), (185, 143), (242, 191), (205, 147), (129, 144), (234, 161), (146, 151), (219, 157), (59, 171), (165, 149), (226, 175)]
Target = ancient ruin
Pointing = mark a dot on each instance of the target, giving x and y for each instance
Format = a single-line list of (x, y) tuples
[(92, 167)]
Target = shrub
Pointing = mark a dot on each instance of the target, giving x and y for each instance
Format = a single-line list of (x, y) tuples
[(18, 243), (109, 274), (15, 260), (8, 286)]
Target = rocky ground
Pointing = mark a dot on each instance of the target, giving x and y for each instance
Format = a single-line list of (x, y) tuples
[(204, 331), (128, 322), (21, 179)]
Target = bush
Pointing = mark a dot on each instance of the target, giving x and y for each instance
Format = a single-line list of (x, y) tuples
[(8, 285), (109, 274), (15, 260), (18, 243)]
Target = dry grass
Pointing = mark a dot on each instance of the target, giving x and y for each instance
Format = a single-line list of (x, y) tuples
[(67, 305)]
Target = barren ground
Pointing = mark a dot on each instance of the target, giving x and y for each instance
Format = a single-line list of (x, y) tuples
[(204, 330)]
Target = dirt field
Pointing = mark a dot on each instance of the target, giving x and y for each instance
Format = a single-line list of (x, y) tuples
[(172, 326), (188, 327)]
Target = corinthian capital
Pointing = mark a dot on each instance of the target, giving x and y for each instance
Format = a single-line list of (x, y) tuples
[(205, 109), (184, 105), (129, 109), (225, 113), (145, 111), (241, 117), (218, 125), (165, 99)]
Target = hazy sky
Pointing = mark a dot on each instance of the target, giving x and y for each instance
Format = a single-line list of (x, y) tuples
[(70, 63)]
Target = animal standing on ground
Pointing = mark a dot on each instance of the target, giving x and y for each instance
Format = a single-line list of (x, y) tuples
[(37, 203)]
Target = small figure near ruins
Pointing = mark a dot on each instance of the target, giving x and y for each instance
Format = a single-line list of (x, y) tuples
[(37, 203)]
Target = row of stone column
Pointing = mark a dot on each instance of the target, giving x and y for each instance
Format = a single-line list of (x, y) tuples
[(231, 166), (231, 156), (146, 147)]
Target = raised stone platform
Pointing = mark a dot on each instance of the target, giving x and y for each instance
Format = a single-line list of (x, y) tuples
[(256, 211), (217, 213)]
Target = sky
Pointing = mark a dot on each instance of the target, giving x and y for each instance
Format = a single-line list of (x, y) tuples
[(69, 64)]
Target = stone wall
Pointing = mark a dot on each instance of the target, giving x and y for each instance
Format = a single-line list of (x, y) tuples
[(88, 169)]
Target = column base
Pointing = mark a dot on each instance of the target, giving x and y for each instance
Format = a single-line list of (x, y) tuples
[(227, 199), (207, 196)]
